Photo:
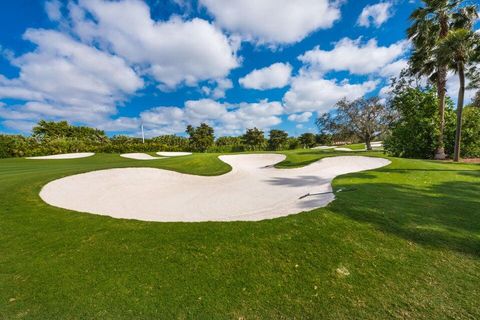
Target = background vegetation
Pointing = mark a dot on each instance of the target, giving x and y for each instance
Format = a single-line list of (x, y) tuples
[(61, 137)]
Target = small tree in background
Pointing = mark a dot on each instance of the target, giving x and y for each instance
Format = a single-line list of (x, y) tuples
[(201, 137), (323, 139), (253, 139), (277, 139), (363, 118), (49, 130), (307, 140)]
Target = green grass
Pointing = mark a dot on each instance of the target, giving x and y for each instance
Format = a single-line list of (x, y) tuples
[(355, 146), (409, 236)]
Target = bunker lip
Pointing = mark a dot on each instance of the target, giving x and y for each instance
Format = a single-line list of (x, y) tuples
[(173, 154), (139, 156), (253, 190), (63, 156)]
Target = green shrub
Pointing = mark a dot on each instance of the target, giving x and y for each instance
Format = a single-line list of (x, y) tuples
[(470, 147), (413, 134)]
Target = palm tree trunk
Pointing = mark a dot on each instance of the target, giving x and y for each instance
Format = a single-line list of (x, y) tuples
[(461, 93), (441, 88), (441, 91)]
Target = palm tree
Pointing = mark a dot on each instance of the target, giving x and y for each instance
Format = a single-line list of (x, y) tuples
[(431, 24), (459, 50)]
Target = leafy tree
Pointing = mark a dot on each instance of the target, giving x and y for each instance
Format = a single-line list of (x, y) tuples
[(307, 140), (277, 139), (364, 118), (201, 137), (253, 138), (45, 130), (323, 139), (414, 132), (172, 142), (431, 24), (228, 141), (50, 130), (471, 132), (460, 49), (292, 143), (476, 100), (228, 144)]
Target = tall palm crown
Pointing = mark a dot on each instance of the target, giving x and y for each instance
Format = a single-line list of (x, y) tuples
[(431, 24), (460, 46)]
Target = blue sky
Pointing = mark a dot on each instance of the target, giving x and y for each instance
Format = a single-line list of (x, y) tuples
[(169, 63)]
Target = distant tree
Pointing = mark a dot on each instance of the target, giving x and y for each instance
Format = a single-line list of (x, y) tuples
[(229, 144), (460, 50), (307, 140), (253, 138), (201, 137), (364, 118), (292, 143), (228, 141), (476, 100), (328, 127), (172, 142), (51, 130), (277, 139), (323, 139), (45, 130)]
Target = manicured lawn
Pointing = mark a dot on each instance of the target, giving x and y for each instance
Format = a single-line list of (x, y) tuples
[(355, 146), (404, 243)]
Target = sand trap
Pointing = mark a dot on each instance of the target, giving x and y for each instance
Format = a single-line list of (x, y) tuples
[(252, 191), (139, 156), (173, 154), (343, 149), (323, 147), (64, 156), (377, 144)]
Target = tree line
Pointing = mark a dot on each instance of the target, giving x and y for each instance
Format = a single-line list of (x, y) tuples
[(50, 137)]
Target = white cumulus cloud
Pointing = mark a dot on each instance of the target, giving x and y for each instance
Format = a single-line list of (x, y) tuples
[(63, 78), (300, 117), (275, 76), (273, 21), (354, 56), (174, 52), (312, 94), (376, 14)]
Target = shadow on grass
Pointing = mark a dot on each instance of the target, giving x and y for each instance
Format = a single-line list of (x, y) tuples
[(445, 215)]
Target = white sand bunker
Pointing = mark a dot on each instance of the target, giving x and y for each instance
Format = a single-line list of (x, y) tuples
[(173, 154), (64, 156), (139, 156), (252, 191), (323, 147)]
